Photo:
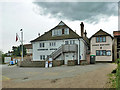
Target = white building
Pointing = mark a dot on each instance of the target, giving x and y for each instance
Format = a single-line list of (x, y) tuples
[(101, 46), (60, 43)]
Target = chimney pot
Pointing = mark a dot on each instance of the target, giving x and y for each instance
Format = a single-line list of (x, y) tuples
[(85, 33), (82, 29)]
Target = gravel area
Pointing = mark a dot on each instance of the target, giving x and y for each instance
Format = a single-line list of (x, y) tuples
[(73, 74)]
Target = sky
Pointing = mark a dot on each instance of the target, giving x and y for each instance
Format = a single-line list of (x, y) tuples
[(39, 17)]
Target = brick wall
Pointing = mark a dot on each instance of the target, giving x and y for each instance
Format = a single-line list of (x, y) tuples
[(58, 63), (32, 64)]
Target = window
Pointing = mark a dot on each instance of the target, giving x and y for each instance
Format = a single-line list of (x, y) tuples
[(104, 39), (100, 52), (100, 39), (59, 32), (56, 32), (52, 43), (66, 31), (66, 42), (97, 53), (97, 39), (42, 45), (67, 55), (103, 53), (42, 57), (72, 41), (108, 53)]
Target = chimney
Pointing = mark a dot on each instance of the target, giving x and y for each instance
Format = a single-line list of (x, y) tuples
[(82, 29), (85, 34)]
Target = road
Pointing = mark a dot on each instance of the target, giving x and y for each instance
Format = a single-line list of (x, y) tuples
[(22, 76)]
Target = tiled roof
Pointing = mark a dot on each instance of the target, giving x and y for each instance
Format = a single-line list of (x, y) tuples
[(48, 35), (101, 33)]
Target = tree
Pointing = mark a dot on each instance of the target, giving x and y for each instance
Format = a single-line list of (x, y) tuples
[(2, 55), (18, 50)]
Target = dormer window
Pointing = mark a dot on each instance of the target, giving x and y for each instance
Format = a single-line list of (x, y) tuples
[(56, 32), (66, 31), (59, 32)]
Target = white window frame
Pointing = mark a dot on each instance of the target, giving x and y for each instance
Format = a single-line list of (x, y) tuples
[(66, 31), (52, 44), (66, 42), (42, 57), (41, 45)]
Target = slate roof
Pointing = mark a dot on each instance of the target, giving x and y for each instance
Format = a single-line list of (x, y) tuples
[(86, 40), (101, 33), (48, 35)]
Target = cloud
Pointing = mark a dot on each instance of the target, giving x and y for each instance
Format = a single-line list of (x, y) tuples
[(90, 11)]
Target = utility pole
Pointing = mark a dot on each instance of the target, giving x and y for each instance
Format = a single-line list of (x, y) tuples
[(22, 43)]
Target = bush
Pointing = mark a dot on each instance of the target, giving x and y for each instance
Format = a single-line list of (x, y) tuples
[(118, 75)]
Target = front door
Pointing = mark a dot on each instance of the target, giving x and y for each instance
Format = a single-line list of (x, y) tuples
[(66, 58)]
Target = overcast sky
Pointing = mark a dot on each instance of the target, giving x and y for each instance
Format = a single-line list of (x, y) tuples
[(39, 17)]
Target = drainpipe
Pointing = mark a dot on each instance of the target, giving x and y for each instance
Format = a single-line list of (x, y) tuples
[(79, 52)]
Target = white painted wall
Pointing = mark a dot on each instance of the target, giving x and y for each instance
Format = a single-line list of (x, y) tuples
[(83, 50), (36, 53)]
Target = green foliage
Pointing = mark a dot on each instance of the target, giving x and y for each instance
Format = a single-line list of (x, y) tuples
[(18, 50), (118, 59), (118, 75), (112, 80), (3, 55)]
